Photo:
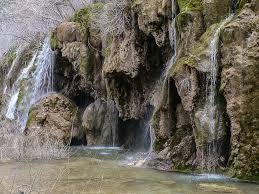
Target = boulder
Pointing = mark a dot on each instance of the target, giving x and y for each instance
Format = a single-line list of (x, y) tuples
[(53, 119), (209, 187), (69, 32), (100, 123)]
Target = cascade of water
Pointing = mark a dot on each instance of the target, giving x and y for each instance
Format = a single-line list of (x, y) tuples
[(210, 114), (12, 106), (164, 77), (34, 81), (15, 91), (113, 121), (172, 38)]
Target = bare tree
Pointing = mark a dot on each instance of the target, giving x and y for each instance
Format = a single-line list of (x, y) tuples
[(112, 19), (22, 20)]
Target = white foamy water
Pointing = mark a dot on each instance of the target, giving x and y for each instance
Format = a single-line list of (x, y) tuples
[(34, 81), (12, 106)]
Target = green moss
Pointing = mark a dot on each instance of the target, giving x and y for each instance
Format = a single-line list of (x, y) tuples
[(189, 5), (9, 57), (54, 41), (21, 93), (182, 18), (197, 53), (241, 3), (30, 119), (84, 16), (159, 143)]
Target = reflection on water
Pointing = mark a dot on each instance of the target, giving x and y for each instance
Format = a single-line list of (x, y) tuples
[(103, 171)]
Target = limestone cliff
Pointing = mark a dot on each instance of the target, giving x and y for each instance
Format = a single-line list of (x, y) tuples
[(186, 68)]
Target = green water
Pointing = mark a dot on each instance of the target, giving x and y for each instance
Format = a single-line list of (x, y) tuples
[(105, 171)]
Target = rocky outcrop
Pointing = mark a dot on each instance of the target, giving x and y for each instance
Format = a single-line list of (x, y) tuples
[(100, 123), (240, 86), (53, 119), (204, 117), (136, 59), (78, 69), (189, 80), (151, 18)]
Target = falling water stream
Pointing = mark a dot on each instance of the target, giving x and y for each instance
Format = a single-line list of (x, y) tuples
[(34, 81), (211, 116)]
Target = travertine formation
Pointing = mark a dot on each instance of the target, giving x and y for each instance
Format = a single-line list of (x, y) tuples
[(128, 80)]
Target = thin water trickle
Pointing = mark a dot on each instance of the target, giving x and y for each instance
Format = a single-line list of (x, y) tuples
[(164, 78), (172, 37), (12, 106), (210, 115)]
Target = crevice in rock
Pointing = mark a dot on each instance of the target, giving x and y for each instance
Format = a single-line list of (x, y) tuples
[(134, 134)]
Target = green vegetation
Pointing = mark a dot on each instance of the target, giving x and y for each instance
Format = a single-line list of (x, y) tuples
[(241, 3), (189, 5), (54, 40), (9, 57), (158, 144), (85, 15), (197, 53), (21, 92), (30, 119)]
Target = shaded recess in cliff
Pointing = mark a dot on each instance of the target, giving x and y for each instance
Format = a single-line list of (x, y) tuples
[(132, 69)]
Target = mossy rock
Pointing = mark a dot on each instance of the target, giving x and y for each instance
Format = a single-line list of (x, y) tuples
[(197, 53), (54, 40), (8, 59), (187, 5), (83, 16), (158, 144), (241, 3)]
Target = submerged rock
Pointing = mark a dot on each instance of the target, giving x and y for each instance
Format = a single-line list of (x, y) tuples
[(53, 119), (217, 188)]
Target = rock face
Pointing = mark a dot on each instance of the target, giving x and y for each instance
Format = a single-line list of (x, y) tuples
[(78, 62), (240, 86), (54, 119), (100, 123), (136, 59), (187, 87)]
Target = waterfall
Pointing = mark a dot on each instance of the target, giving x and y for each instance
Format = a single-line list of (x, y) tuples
[(210, 115), (34, 81), (164, 78), (12, 106), (172, 38)]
